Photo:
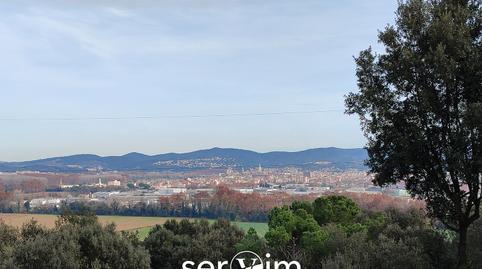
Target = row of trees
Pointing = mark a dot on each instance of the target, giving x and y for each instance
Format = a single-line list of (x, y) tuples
[(331, 232), (80, 241), (75, 242), (223, 203), (29, 185), (4, 194)]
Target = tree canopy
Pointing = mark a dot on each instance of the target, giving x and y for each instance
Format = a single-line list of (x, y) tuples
[(76, 242), (336, 209), (420, 106)]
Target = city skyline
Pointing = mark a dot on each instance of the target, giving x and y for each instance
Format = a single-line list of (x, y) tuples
[(113, 77)]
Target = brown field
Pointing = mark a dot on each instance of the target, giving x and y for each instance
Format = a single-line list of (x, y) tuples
[(123, 222)]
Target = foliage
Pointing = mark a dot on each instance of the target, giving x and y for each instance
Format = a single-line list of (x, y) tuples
[(351, 238), (388, 239), (76, 242), (144, 186), (420, 106), (475, 244), (293, 232), (8, 237), (223, 203), (307, 206), (175, 242), (335, 209), (288, 227), (251, 242), (386, 253)]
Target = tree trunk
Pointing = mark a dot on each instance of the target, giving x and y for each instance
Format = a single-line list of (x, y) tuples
[(462, 251)]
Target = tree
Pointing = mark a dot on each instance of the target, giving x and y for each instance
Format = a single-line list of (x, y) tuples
[(47, 250), (385, 253), (307, 206), (475, 237), (76, 242), (8, 238), (420, 106), (144, 186), (4, 195), (393, 239), (334, 209), (294, 235), (251, 242), (27, 206), (175, 242)]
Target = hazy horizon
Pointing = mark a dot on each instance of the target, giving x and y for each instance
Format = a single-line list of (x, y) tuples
[(112, 77), (176, 152)]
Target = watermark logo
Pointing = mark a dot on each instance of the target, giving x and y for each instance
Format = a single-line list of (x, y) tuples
[(243, 260), (246, 260)]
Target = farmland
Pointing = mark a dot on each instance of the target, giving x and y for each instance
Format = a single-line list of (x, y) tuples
[(123, 223)]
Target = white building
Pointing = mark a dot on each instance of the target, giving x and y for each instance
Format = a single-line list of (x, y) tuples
[(114, 182)]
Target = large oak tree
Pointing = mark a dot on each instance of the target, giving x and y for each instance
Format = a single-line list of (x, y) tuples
[(420, 106)]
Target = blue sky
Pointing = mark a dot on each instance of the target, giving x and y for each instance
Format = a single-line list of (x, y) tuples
[(84, 59)]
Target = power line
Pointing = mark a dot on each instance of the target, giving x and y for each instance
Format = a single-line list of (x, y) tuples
[(112, 118)]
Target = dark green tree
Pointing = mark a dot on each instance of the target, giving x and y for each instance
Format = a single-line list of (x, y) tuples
[(307, 206), (420, 106), (8, 238), (252, 242), (294, 235), (393, 239), (27, 206), (335, 209), (474, 242), (47, 249), (76, 242), (177, 241)]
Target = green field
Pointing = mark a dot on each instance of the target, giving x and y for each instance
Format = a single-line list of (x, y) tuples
[(261, 228)]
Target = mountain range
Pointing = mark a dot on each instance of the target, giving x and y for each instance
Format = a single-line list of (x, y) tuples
[(215, 158)]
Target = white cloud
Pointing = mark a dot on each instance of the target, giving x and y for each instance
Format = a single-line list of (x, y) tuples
[(119, 12), (52, 28), (182, 28)]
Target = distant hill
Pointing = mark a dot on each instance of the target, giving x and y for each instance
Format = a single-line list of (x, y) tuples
[(215, 158)]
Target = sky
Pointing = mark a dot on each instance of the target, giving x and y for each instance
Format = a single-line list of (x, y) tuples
[(112, 77)]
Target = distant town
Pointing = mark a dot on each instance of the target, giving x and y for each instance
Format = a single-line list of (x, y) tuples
[(41, 190)]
